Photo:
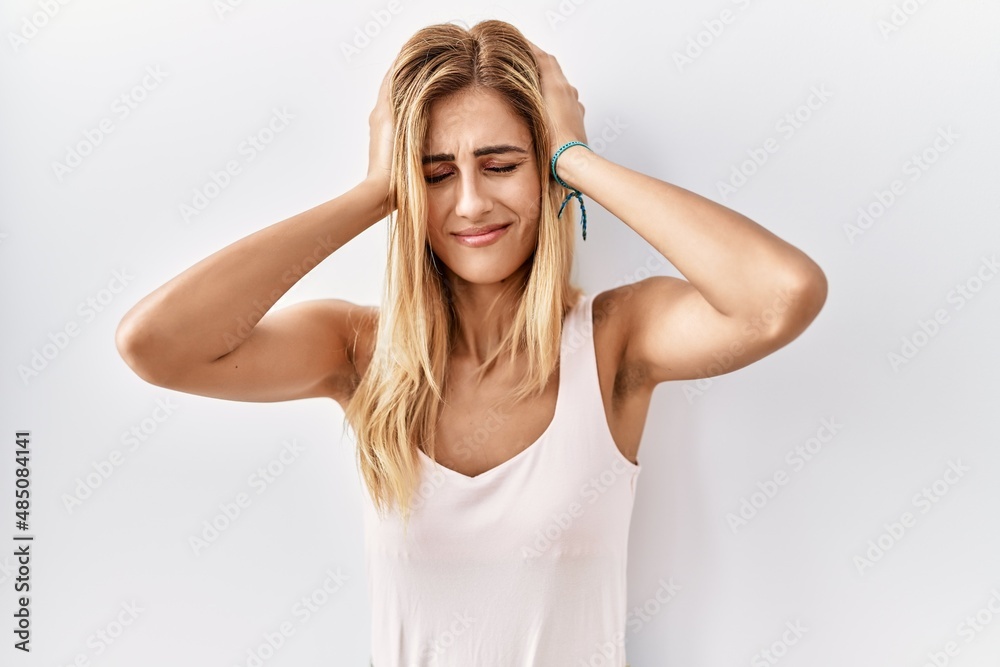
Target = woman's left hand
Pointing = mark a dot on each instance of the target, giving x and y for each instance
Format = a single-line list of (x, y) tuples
[(562, 101)]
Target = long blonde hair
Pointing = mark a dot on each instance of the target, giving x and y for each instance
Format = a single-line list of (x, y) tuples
[(395, 408)]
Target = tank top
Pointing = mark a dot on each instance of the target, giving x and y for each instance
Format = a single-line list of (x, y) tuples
[(523, 565)]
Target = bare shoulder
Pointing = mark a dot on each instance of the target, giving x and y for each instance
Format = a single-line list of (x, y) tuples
[(628, 312)]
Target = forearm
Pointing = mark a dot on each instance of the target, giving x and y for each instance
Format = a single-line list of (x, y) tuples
[(737, 265), (210, 308)]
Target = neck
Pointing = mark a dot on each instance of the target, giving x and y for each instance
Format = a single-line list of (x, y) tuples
[(484, 313)]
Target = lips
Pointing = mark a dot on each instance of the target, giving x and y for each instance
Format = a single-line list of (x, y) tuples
[(479, 231), (480, 237)]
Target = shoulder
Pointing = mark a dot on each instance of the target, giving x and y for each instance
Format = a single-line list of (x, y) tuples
[(347, 327), (353, 323), (620, 314), (622, 308)]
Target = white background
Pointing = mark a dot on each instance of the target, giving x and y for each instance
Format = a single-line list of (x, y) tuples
[(889, 89)]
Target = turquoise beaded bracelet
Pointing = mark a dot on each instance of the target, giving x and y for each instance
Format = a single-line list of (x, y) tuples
[(573, 191)]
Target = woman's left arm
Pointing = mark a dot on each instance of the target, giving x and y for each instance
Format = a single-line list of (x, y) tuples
[(749, 292)]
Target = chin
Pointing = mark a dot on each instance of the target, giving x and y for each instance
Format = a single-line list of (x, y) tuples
[(483, 275), (486, 272)]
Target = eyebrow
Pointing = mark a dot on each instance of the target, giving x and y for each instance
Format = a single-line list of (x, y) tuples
[(479, 152)]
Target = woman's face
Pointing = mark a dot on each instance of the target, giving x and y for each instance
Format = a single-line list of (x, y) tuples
[(480, 168)]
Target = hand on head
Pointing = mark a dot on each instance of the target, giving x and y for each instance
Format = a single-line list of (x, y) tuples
[(381, 137), (562, 102)]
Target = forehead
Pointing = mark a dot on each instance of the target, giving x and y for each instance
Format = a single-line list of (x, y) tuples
[(472, 118)]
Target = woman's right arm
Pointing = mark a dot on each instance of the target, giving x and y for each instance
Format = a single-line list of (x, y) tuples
[(208, 330)]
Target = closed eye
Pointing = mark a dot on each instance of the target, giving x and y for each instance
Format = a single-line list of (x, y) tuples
[(440, 177)]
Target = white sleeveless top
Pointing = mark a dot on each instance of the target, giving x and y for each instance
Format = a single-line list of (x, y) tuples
[(520, 566)]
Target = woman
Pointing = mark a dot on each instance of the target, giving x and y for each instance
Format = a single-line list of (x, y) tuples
[(498, 410)]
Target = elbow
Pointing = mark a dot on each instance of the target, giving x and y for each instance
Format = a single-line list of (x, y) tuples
[(806, 296), (811, 290), (136, 347)]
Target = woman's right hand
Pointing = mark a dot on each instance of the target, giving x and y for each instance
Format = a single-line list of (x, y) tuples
[(380, 138)]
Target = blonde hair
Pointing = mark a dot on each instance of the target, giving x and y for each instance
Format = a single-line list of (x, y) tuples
[(395, 408)]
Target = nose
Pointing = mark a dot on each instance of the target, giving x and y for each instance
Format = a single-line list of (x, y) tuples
[(474, 200)]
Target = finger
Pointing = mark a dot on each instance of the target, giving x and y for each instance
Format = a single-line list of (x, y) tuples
[(545, 59)]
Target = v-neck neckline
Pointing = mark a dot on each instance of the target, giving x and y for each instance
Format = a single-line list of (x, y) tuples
[(540, 440)]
